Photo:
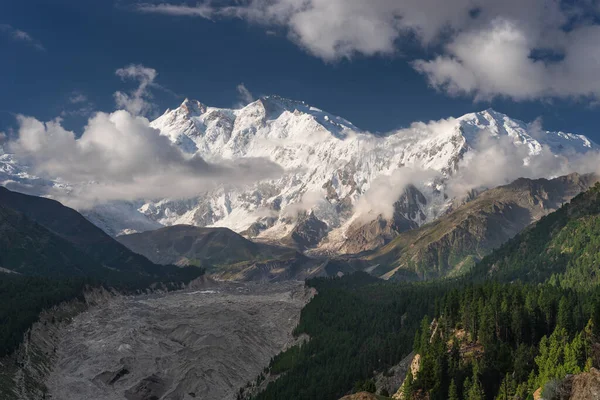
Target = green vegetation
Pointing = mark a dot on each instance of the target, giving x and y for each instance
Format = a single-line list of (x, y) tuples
[(562, 248), (450, 245), (23, 298), (50, 253), (522, 319), (357, 324), (509, 339)]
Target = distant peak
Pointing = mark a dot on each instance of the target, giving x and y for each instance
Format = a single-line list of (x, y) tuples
[(192, 106), (492, 112)]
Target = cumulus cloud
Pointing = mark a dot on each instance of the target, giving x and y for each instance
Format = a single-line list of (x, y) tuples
[(21, 36), (497, 61), (244, 94), (385, 190), (120, 157), (491, 160), (523, 50), (310, 200), (137, 101), (497, 161)]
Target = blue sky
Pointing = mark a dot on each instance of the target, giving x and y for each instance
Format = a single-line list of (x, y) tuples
[(53, 53)]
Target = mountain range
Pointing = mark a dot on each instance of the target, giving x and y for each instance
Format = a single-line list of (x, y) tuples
[(343, 190), (222, 252)]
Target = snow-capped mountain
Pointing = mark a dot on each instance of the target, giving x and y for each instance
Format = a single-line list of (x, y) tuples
[(336, 176)]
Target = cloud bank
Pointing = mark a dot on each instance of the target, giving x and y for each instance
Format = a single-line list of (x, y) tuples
[(120, 157), (523, 50)]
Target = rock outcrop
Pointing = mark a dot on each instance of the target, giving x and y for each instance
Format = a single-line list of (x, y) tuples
[(584, 386)]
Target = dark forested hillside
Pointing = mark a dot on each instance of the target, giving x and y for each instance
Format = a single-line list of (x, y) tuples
[(494, 340), (22, 298), (28, 248), (49, 253), (522, 321), (357, 324), (563, 247), (73, 228)]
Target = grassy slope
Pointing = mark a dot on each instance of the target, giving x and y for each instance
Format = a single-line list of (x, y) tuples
[(452, 244)]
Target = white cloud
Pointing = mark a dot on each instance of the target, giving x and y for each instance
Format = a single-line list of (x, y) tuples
[(385, 190), (310, 200), (484, 54), (21, 36), (496, 61), (120, 157), (77, 97), (200, 10), (244, 94), (137, 102)]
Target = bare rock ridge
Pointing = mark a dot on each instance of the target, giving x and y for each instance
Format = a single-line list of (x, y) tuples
[(455, 241), (202, 343), (225, 254), (192, 245), (582, 386)]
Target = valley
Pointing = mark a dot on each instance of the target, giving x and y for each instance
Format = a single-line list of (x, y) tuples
[(202, 343), (300, 200), (372, 247)]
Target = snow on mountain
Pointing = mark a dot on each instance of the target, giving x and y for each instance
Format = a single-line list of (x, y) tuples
[(330, 163), (335, 172)]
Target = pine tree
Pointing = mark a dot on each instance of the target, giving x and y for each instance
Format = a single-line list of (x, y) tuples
[(476, 390), (453, 391), (408, 387)]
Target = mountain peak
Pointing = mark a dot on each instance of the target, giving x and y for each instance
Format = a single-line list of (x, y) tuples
[(190, 106)]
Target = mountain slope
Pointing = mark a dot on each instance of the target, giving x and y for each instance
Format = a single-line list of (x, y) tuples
[(84, 248), (454, 242), (72, 227), (331, 164), (562, 247), (224, 253), (28, 248), (352, 181), (208, 247)]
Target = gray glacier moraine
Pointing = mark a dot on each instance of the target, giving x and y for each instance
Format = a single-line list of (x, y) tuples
[(195, 344)]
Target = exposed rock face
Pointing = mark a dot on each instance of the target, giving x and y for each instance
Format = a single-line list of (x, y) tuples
[(457, 240), (584, 386), (361, 236), (394, 377), (24, 373), (361, 396), (308, 232), (415, 366), (183, 345)]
